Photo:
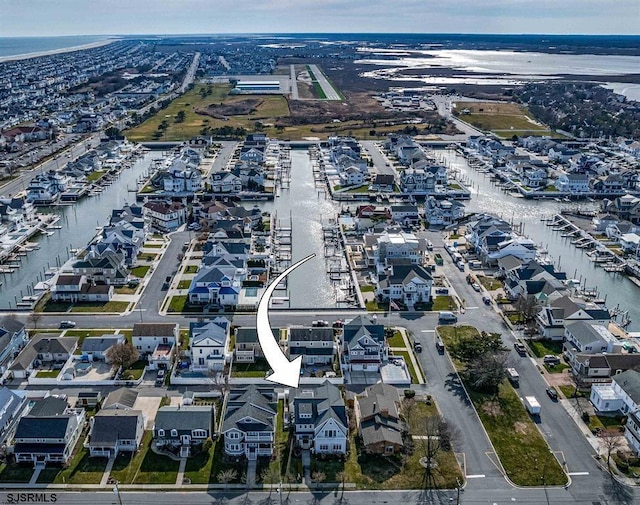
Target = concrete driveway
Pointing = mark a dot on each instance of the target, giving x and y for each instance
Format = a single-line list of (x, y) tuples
[(149, 406)]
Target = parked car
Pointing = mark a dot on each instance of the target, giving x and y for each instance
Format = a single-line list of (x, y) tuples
[(552, 393), (551, 359), (440, 346), (417, 346), (486, 299), (475, 286), (67, 324), (520, 348), (160, 377)]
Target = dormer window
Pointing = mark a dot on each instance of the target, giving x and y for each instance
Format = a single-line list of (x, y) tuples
[(174, 433), (161, 433)]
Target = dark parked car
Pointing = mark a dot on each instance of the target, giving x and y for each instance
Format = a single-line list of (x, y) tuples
[(520, 348), (552, 393)]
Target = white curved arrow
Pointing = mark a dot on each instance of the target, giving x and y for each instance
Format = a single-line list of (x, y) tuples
[(285, 372)]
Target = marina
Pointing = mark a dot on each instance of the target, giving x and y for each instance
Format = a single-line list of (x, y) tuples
[(21, 274), (533, 216)]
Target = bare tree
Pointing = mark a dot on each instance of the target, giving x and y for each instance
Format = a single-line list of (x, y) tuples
[(270, 475), (611, 441), (122, 355), (318, 477), (487, 371), (437, 435), (34, 318), (226, 476), (528, 308)]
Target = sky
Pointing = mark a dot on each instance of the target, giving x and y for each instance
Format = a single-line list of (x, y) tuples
[(120, 17)]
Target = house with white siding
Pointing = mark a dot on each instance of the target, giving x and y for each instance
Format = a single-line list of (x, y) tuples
[(319, 417)]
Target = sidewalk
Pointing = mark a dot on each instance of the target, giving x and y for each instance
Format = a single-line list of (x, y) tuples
[(107, 471)]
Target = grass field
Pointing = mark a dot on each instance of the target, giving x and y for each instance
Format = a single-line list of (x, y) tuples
[(504, 119), (522, 450), (270, 108)]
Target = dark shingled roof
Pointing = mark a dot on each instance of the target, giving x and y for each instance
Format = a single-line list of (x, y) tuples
[(109, 426)]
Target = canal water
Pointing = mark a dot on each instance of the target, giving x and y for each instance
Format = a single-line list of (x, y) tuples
[(486, 197), (79, 222), (306, 210)]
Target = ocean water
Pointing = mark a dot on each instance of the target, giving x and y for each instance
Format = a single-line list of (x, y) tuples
[(12, 46)]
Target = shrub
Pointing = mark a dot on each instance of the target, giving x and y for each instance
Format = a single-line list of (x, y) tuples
[(409, 393), (586, 417)]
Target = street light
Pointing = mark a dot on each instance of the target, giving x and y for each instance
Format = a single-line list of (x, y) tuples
[(116, 491)]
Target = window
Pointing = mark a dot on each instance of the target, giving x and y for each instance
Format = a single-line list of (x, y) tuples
[(324, 447), (199, 433), (174, 433), (161, 433)]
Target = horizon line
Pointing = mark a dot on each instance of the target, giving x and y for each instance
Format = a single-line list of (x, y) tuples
[(196, 34)]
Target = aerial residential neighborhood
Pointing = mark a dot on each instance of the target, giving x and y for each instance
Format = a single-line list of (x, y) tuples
[(326, 267)]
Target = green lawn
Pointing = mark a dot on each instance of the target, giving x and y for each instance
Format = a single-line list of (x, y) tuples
[(367, 289), (184, 284), (268, 108), (125, 290), (198, 469), (556, 368), (568, 391), (126, 465), (521, 448), (191, 269), (157, 469), (140, 271), (358, 189), (100, 307), (181, 303), (281, 448), (135, 370), (219, 464), (15, 473), (489, 282), (153, 245), (410, 367), (445, 302), (606, 423), (543, 347), (422, 410), (94, 176), (373, 306), (396, 340), (47, 374), (257, 369), (451, 333), (82, 469), (82, 334)]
